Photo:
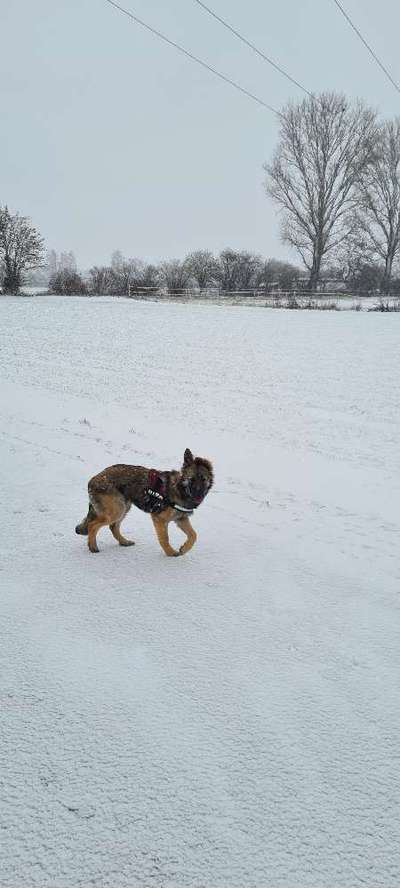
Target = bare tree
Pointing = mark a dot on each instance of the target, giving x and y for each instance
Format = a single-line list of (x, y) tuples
[(237, 270), (380, 200), (67, 261), (226, 271), (147, 276), (117, 259), (325, 144), (100, 279), (51, 262), (55, 263), (123, 273), (128, 275), (352, 254), (202, 266), (175, 275), (21, 249), (278, 275), (150, 276)]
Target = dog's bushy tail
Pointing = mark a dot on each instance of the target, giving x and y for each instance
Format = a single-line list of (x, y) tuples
[(82, 528)]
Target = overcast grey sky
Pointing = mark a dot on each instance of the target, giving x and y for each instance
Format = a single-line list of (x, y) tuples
[(112, 140)]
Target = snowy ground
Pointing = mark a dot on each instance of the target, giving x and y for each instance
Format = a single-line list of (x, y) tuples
[(229, 719)]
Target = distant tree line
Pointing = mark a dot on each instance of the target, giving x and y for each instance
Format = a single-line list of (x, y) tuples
[(231, 271), (335, 179)]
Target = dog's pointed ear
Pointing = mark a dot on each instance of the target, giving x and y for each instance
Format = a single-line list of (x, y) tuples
[(188, 458)]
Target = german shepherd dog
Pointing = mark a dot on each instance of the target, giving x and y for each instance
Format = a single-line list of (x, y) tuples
[(166, 496)]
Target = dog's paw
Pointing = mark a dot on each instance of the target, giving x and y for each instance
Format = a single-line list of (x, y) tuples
[(93, 549), (186, 547)]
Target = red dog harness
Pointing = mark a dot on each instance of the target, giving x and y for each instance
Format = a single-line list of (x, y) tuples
[(156, 495)]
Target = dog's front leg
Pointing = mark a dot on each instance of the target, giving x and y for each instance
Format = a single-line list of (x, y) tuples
[(191, 535), (161, 527)]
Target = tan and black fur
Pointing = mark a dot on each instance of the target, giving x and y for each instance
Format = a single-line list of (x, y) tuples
[(115, 489)]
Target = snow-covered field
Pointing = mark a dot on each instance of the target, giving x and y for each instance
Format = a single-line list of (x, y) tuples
[(229, 719)]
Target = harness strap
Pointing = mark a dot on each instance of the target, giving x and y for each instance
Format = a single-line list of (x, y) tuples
[(182, 509), (157, 494), (157, 482), (155, 497)]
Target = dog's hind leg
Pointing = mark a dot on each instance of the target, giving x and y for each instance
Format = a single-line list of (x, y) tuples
[(115, 526), (191, 535), (110, 510), (93, 529), (82, 528), (115, 530)]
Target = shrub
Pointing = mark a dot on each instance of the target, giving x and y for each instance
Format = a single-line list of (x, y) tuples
[(66, 283)]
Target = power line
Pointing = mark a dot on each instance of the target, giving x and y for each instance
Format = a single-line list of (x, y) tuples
[(368, 47), (194, 58), (252, 46)]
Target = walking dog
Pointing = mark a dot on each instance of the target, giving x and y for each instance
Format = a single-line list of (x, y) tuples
[(166, 496)]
